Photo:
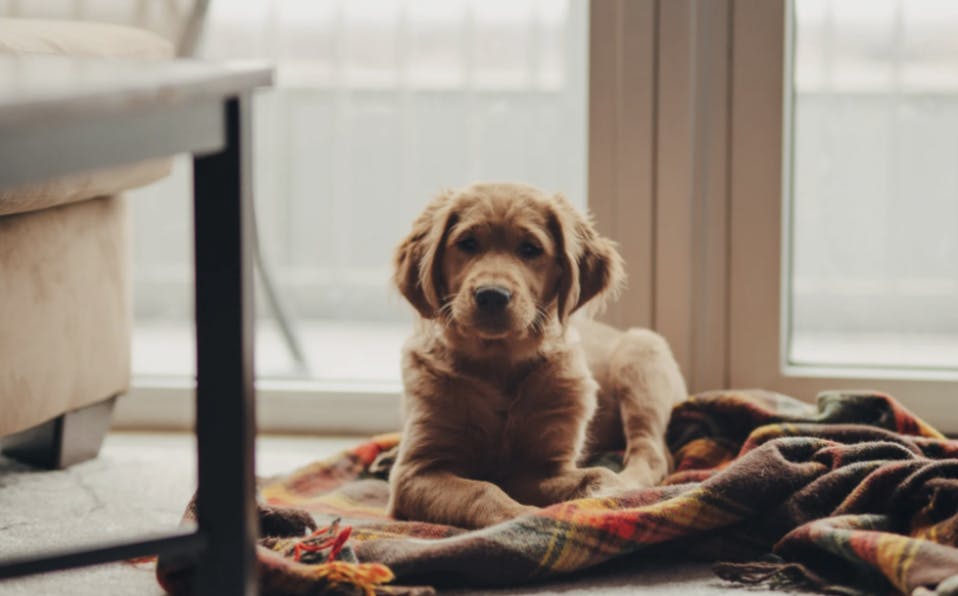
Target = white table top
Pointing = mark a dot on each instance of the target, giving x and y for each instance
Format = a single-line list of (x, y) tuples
[(44, 88)]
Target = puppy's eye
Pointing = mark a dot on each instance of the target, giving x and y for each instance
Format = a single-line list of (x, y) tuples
[(468, 245), (528, 250)]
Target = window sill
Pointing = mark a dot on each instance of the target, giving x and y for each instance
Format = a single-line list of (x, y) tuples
[(293, 407)]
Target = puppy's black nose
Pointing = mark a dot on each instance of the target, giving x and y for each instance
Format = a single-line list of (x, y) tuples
[(492, 299)]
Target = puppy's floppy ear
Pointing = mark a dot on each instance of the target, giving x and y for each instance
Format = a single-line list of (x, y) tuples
[(418, 258), (591, 265)]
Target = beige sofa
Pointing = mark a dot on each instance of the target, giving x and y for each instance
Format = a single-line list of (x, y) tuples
[(65, 304)]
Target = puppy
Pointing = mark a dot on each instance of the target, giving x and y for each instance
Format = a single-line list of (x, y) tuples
[(505, 395)]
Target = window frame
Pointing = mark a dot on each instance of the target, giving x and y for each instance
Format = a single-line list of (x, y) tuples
[(658, 169)]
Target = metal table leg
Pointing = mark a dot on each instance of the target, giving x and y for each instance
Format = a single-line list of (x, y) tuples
[(225, 417)]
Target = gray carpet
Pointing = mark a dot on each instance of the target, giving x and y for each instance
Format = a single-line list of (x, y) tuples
[(141, 482)]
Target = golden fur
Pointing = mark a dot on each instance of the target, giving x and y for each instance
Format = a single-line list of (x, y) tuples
[(502, 402)]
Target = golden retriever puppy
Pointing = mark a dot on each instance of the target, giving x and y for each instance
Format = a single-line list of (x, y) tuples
[(504, 395)]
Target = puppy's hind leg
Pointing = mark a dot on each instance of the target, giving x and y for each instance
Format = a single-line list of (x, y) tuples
[(647, 383)]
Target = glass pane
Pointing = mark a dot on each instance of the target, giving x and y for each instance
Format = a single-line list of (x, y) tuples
[(378, 106), (874, 201)]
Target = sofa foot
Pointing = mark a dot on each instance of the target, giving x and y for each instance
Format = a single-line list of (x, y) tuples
[(66, 440)]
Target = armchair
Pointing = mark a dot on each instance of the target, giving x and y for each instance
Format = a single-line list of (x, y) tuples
[(65, 304)]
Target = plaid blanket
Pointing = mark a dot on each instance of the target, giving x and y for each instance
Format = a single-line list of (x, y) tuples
[(854, 496)]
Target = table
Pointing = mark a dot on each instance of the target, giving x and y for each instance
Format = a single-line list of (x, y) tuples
[(60, 115)]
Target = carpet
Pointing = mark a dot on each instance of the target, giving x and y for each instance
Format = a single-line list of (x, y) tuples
[(854, 495)]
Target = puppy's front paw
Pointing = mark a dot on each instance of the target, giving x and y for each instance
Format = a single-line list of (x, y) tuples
[(601, 482), (504, 514), (284, 521), (640, 473)]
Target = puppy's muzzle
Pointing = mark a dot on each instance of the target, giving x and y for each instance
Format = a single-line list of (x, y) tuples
[(491, 300)]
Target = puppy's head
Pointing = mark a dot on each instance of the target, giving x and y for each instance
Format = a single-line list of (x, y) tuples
[(499, 261)]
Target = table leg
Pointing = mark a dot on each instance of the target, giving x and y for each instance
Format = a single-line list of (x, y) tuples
[(225, 417)]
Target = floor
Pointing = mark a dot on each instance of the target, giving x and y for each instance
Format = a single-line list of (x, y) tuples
[(141, 482)]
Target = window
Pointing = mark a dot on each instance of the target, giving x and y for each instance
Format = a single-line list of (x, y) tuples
[(377, 107), (874, 188), (842, 202), (777, 174)]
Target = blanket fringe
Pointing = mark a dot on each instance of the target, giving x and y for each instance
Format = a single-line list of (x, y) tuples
[(344, 577), (773, 575)]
